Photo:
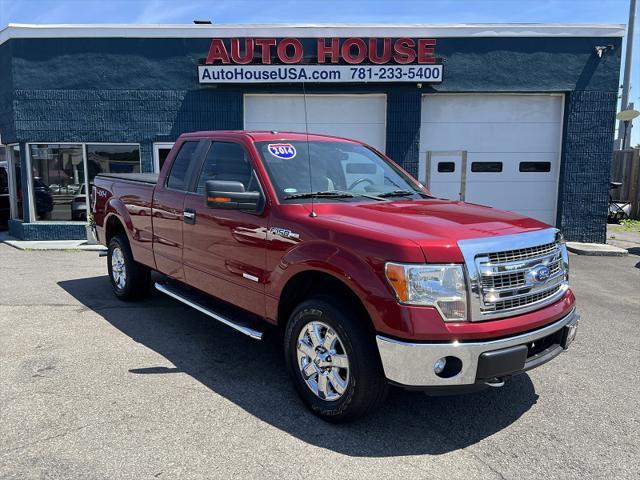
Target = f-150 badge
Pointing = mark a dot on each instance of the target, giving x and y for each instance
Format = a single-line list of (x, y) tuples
[(284, 232)]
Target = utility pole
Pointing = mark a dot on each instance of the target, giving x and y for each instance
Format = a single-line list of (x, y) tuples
[(626, 82)]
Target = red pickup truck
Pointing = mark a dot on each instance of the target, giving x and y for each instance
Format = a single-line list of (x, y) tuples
[(372, 280)]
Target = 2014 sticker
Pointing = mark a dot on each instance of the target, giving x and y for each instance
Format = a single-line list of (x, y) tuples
[(286, 151)]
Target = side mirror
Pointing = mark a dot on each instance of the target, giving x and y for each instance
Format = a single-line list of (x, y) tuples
[(231, 195)]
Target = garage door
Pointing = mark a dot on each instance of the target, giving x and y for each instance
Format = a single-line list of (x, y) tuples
[(361, 117), (499, 150)]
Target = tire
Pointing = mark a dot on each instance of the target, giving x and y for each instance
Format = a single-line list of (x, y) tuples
[(361, 387), (129, 280)]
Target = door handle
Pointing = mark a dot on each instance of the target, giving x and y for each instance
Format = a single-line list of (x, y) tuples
[(189, 215)]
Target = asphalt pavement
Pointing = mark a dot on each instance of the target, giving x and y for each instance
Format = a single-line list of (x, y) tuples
[(93, 388)]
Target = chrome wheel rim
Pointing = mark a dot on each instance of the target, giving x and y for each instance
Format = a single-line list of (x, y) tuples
[(323, 361), (118, 268)]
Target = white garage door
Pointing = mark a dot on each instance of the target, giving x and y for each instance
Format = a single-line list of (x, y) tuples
[(361, 117), (499, 150)]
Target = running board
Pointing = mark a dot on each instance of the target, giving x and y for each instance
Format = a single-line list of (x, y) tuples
[(199, 302)]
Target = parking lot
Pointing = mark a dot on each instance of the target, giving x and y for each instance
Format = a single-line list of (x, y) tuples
[(94, 388)]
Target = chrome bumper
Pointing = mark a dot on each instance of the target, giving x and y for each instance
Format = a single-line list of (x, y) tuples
[(412, 364)]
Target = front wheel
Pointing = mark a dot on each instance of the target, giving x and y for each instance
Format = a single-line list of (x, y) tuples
[(333, 361)]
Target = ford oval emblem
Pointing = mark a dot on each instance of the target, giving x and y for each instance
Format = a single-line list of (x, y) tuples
[(540, 273)]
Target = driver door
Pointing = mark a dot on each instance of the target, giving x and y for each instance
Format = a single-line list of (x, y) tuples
[(224, 250)]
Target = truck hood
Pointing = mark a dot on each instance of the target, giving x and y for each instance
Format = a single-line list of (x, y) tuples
[(435, 225)]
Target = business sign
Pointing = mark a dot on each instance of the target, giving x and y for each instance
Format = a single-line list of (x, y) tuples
[(328, 60)]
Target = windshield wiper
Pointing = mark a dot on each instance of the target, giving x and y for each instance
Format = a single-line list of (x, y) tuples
[(324, 194), (332, 194), (396, 193)]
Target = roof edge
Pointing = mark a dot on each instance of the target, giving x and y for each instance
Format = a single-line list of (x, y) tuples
[(15, 30)]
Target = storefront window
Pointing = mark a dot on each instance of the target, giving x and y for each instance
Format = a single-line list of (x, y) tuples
[(58, 175), (103, 158)]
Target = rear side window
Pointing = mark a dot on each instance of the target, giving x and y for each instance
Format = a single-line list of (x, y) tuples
[(178, 176)]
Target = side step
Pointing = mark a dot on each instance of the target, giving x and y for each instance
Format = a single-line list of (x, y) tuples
[(209, 307)]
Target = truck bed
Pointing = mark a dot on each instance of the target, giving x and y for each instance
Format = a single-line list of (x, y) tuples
[(151, 178)]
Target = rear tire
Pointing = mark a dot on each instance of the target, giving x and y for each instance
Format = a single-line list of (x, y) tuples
[(338, 375), (129, 279)]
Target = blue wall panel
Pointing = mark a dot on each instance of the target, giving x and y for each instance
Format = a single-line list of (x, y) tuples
[(146, 90)]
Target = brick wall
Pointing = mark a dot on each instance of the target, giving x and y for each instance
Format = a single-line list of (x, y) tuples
[(586, 163)]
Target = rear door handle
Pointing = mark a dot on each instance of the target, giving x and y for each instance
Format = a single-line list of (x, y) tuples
[(189, 215)]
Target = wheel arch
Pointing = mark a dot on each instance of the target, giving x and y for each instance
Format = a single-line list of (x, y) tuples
[(309, 283)]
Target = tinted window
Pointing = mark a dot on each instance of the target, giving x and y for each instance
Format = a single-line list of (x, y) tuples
[(487, 167), (226, 161), (535, 167), (178, 176), (446, 167)]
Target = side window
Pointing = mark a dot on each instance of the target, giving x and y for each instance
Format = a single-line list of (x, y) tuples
[(227, 161), (178, 177)]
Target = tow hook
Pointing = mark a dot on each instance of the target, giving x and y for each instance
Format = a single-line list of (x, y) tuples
[(495, 382)]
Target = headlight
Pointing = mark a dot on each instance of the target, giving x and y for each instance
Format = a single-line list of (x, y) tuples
[(440, 286)]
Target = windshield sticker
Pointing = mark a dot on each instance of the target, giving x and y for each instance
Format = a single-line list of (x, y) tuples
[(290, 190), (285, 151)]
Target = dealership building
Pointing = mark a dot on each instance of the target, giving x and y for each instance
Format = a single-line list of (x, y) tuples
[(515, 116)]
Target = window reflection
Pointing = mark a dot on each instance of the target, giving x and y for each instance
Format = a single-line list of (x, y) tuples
[(58, 175)]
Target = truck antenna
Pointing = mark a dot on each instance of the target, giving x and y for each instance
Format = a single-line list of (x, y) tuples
[(306, 131)]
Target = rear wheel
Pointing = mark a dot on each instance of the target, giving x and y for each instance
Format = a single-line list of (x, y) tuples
[(333, 360), (129, 279)]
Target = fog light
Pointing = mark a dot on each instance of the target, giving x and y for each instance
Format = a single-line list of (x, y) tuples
[(438, 367)]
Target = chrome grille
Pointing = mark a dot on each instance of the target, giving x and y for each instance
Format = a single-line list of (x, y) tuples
[(522, 253), (512, 303), (508, 281)]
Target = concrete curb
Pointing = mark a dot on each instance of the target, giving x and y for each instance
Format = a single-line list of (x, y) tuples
[(596, 249), (68, 245)]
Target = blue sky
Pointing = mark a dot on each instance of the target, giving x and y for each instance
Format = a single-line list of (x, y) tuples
[(312, 11)]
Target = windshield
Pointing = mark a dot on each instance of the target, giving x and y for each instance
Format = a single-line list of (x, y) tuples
[(339, 171)]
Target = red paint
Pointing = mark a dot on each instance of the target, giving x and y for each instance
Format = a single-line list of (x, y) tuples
[(353, 50), (217, 51), (350, 241), (373, 51), (235, 51), (332, 50), (426, 50), (403, 51), (284, 49), (265, 45)]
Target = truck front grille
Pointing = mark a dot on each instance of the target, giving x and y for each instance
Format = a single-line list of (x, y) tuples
[(506, 282)]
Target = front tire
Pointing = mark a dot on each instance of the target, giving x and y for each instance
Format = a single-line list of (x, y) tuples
[(333, 361), (129, 279)]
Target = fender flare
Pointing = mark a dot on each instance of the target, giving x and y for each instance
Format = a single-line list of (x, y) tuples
[(331, 259), (116, 208)]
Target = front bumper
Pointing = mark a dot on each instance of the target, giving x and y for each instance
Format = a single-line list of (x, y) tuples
[(412, 364)]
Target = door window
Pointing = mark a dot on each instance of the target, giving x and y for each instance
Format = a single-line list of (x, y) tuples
[(227, 161), (178, 178)]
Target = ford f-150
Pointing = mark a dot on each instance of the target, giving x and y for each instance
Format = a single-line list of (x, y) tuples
[(371, 280)]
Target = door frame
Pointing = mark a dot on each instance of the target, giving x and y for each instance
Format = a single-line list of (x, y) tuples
[(156, 153)]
